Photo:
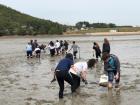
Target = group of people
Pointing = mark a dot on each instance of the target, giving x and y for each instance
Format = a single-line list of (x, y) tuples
[(111, 62), (55, 48), (58, 47), (34, 47), (105, 48), (73, 73), (61, 47)]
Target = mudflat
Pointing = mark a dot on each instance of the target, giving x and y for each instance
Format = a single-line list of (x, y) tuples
[(27, 81)]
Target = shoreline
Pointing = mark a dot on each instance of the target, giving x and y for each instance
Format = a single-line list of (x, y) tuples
[(75, 34), (105, 34)]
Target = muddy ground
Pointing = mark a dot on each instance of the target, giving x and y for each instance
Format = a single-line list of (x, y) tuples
[(27, 82)]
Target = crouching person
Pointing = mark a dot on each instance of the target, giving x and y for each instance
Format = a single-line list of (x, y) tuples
[(79, 71), (112, 67), (37, 52), (62, 73)]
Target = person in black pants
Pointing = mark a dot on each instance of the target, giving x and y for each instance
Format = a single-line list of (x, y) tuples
[(106, 46), (97, 50), (62, 73)]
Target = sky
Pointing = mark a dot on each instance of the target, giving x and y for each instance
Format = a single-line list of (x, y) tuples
[(69, 12)]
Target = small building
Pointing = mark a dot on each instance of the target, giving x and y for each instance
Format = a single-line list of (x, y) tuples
[(112, 30)]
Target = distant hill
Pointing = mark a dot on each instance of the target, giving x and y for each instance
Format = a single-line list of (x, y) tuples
[(13, 22)]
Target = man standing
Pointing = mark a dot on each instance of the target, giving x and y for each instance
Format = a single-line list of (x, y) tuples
[(75, 49)]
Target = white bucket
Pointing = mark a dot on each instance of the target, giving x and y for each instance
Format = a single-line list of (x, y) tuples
[(103, 80)]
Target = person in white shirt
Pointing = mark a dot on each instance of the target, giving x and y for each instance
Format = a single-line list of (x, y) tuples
[(29, 50), (57, 46), (51, 48), (79, 70), (38, 52)]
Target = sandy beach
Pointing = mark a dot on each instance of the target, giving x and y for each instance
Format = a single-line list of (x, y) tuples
[(75, 34)]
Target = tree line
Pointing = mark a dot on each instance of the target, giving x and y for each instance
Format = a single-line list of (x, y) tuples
[(85, 24), (13, 22)]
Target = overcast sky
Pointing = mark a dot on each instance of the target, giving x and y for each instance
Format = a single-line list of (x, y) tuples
[(120, 12)]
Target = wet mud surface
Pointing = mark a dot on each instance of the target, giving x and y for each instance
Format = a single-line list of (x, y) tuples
[(27, 81)]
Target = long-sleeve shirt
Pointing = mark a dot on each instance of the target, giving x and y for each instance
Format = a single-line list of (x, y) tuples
[(64, 64), (29, 47), (75, 47), (106, 48), (112, 64)]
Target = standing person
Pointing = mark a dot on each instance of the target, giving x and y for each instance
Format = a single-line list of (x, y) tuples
[(66, 44), (79, 70), (62, 47), (32, 44), (97, 50), (35, 44), (106, 46), (57, 47), (75, 49), (62, 73), (112, 67), (29, 50), (51, 47)]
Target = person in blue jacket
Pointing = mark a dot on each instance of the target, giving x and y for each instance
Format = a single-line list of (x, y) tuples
[(62, 73), (112, 67), (29, 50)]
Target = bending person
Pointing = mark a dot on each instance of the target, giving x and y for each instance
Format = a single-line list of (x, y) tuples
[(38, 52), (62, 73), (79, 71), (112, 67)]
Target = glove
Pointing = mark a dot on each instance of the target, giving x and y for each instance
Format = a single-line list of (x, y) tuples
[(85, 81)]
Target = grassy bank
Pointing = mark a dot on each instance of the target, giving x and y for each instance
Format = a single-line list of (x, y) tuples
[(104, 30)]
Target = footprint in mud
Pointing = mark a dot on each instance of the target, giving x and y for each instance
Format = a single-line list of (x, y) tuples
[(8, 87), (21, 88), (27, 76), (137, 75), (29, 99), (2, 84), (50, 87), (128, 87), (17, 84), (85, 95), (137, 81), (27, 103), (35, 86), (17, 75), (38, 102), (11, 81)]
